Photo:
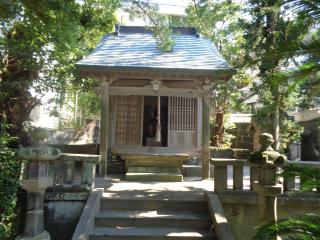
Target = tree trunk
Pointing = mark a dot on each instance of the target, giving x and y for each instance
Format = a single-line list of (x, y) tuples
[(16, 101), (275, 118), (16, 111), (218, 130)]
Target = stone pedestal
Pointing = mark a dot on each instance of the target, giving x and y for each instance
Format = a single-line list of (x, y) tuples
[(267, 200), (36, 182), (267, 161)]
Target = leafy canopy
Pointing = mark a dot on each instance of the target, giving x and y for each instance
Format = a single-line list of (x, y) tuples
[(40, 43)]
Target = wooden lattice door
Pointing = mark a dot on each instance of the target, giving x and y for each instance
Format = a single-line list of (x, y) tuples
[(182, 122), (128, 120)]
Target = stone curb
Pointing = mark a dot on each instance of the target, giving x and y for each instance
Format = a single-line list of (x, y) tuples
[(219, 219), (86, 222)]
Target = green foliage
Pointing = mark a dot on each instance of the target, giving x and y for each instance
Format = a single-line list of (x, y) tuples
[(212, 126), (310, 176), (228, 95), (290, 130), (40, 43), (227, 137), (177, 21), (217, 21), (89, 105), (298, 227), (157, 23), (10, 171), (271, 30)]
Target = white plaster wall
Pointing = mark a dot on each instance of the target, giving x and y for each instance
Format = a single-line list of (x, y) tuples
[(306, 115)]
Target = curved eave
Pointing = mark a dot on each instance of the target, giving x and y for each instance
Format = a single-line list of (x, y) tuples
[(156, 69)]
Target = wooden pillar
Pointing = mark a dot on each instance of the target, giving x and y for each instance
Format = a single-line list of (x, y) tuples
[(104, 129), (205, 135), (111, 125)]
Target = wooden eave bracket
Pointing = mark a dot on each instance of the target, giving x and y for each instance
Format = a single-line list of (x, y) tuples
[(207, 84)]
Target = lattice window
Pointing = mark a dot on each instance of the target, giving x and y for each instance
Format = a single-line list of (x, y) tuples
[(182, 114), (128, 120)]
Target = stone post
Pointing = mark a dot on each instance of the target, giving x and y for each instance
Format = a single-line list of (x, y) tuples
[(267, 161), (36, 183)]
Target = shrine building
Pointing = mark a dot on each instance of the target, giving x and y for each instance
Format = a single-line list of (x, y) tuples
[(139, 83)]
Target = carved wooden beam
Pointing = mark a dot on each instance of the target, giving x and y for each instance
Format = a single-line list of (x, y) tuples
[(148, 90)]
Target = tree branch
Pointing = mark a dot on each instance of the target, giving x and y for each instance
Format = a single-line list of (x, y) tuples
[(151, 19)]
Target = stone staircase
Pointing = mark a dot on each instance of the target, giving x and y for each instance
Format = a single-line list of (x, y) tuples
[(153, 218), (154, 174)]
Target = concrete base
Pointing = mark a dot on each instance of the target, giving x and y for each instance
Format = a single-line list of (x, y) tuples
[(43, 236)]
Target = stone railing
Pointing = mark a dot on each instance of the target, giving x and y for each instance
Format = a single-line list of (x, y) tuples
[(221, 173), (67, 170), (289, 183)]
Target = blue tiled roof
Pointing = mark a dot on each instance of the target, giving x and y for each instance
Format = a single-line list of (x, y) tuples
[(138, 52)]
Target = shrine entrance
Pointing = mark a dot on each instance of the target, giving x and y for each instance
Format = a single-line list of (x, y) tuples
[(150, 113)]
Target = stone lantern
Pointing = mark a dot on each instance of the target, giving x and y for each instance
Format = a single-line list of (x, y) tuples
[(267, 186), (36, 183)]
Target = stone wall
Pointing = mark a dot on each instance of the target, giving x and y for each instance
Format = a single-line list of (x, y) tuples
[(243, 139), (66, 137), (309, 152), (313, 126), (242, 212), (62, 210), (89, 135), (228, 153)]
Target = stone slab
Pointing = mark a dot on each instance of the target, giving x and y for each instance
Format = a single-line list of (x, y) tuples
[(153, 170), (156, 218), (62, 196), (80, 157), (155, 160), (151, 233), (157, 177), (43, 236), (229, 161), (267, 190), (166, 203)]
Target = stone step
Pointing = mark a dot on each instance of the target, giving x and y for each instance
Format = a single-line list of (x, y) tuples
[(152, 233), (131, 218), (153, 170), (154, 177), (194, 204)]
